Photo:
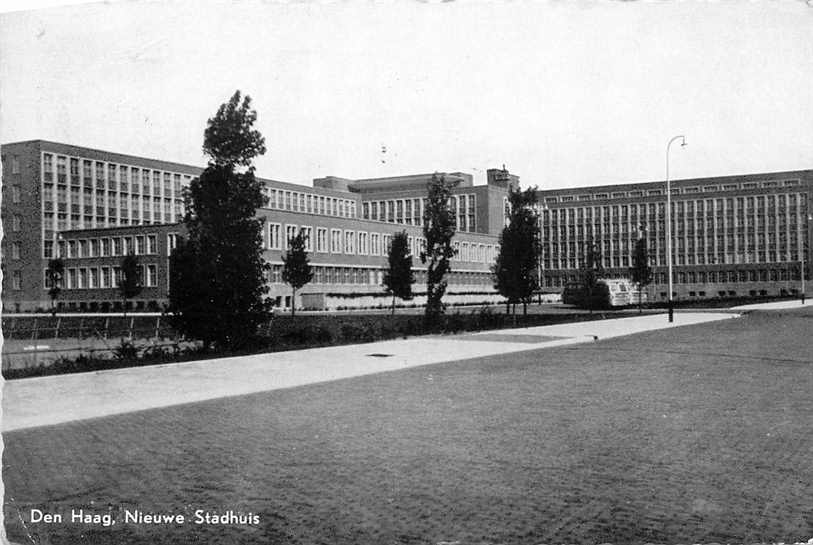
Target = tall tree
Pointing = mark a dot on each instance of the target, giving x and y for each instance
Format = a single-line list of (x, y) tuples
[(54, 272), (591, 272), (640, 272), (218, 274), (296, 270), (130, 281), (398, 278), (515, 270), (438, 229)]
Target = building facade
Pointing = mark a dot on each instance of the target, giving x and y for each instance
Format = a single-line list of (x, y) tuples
[(733, 235), (92, 208)]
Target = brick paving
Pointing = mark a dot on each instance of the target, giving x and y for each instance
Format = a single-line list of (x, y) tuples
[(697, 434)]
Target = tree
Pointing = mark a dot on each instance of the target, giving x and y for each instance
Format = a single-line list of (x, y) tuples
[(296, 270), (54, 272), (515, 270), (591, 272), (438, 229), (217, 276), (130, 281), (398, 278), (640, 272)]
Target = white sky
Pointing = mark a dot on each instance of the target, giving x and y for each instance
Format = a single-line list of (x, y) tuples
[(565, 93)]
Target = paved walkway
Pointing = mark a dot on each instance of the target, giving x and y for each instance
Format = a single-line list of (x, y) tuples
[(779, 305), (51, 400)]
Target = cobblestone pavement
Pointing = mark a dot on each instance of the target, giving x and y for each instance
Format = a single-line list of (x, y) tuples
[(698, 434), (51, 400)]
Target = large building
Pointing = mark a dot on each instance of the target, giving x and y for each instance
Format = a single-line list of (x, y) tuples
[(92, 207), (734, 235)]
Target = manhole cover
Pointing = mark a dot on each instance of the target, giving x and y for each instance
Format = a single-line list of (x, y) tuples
[(380, 355)]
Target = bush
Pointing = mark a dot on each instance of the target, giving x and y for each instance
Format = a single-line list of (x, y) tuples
[(126, 351)]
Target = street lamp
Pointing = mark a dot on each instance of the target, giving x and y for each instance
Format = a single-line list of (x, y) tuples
[(803, 241), (669, 224), (539, 219)]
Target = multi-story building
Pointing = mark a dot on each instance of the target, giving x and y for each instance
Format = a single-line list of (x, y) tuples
[(732, 235), (92, 207), (743, 235)]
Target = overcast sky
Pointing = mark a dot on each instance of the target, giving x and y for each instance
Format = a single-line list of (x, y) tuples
[(563, 93)]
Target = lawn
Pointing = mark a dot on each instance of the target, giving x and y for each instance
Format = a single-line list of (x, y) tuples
[(693, 435)]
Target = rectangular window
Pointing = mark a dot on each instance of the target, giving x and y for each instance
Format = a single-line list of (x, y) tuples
[(290, 234), (349, 242), (274, 231), (152, 276), (15, 250), (364, 248), (15, 164), (93, 278), (48, 249), (151, 244), (307, 234), (335, 241), (141, 245), (15, 194), (117, 247), (105, 278), (17, 280), (321, 239), (375, 244), (83, 278), (16, 223)]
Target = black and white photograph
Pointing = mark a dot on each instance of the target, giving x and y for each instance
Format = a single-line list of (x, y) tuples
[(406, 272)]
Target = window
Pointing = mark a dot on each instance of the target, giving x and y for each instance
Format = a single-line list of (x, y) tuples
[(16, 223), (105, 278), (152, 276), (307, 235), (363, 240), (117, 247), (17, 280), (335, 241), (274, 230), (141, 245), (83, 278), (321, 239), (151, 246), (375, 244), (48, 249), (93, 278), (349, 242), (290, 234), (15, 250), (15, 194), (172, 242), (15, 164)]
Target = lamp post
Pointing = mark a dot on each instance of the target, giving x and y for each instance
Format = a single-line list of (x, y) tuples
[(803, 242), (669, 224), (539, 219)]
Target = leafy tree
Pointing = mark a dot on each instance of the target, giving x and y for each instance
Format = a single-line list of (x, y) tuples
[(398, 278), (217, 276), (130, 281), (640, 272), (54, 272), (591, 272), (296, 270), (438, 229), (515, 270)]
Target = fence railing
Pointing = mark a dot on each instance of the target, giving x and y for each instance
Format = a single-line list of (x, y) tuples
[(84, 327)]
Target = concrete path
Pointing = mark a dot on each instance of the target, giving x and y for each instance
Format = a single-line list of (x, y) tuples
[(779, 305), (51, 400)]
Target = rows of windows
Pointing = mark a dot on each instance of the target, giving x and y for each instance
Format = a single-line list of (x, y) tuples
[(374, 277), (410, 211), (297, 201), (783, 274), (724, 230), (351, 242), (82, 193), (101, 277), (637, 193), (103, 247)]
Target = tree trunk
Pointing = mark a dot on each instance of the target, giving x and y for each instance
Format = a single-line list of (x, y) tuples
[(293, 301), (525, 308), (508, 307), (640, 301), (393, 304)]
